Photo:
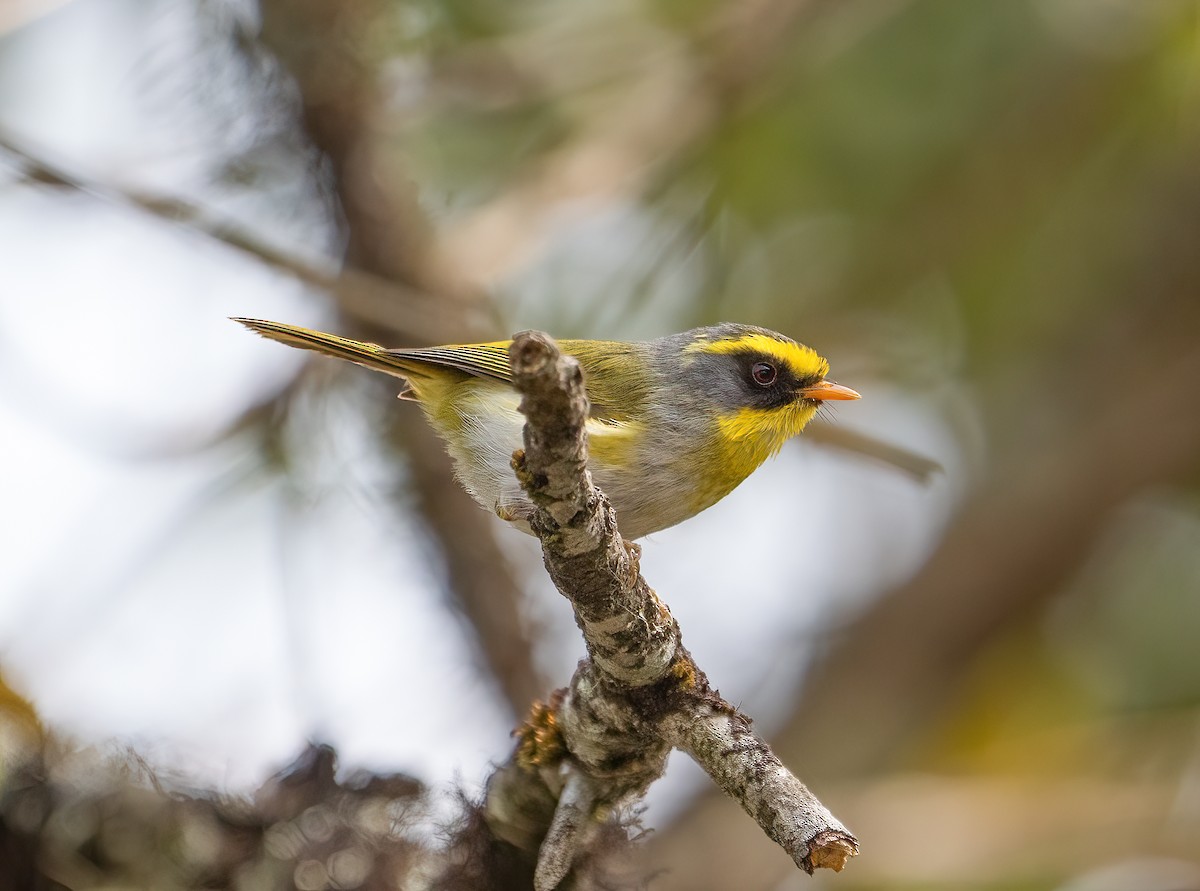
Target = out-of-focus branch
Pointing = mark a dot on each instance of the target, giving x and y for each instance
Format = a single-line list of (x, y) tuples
[(895, 668), (384, 299), (325, 48), (1014, 545), (1018, 542), (639, 693), (917, 466), (372, 297)]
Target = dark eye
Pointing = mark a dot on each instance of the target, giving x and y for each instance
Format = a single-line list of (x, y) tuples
[(764, 373)]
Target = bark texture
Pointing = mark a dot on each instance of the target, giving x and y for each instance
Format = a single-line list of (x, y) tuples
[(599, 744)]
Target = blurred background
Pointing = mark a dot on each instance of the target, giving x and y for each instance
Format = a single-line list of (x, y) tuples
[(215, 550)]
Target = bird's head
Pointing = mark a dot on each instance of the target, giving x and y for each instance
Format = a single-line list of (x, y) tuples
[(761, 387)]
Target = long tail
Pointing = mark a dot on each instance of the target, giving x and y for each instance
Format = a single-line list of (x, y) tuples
[(372, 355)]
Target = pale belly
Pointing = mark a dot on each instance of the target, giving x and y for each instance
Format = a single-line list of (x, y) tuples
[(491, 430)]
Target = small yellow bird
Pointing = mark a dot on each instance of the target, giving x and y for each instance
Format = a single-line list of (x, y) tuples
[(676, 423)]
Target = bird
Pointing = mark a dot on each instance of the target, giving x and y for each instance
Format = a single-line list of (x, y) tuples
[(675, 425)]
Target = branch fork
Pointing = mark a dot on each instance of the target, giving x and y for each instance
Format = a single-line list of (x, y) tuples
[(639, 694)]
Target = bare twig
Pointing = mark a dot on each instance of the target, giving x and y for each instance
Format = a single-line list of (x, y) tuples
[(746, 769), (639, 693), (568, 832)]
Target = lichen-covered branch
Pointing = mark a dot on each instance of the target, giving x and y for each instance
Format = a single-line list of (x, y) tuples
[(629, 633), (600, 743), (744, 767)]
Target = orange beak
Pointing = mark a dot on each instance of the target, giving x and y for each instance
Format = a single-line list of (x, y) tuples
[(826, 390)]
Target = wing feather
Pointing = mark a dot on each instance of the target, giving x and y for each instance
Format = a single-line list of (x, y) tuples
[(480, 359), (618, 394)]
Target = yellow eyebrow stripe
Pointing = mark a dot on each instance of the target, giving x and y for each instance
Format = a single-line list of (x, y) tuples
[(803, 361)]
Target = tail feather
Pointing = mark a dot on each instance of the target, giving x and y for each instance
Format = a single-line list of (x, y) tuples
[(371, 355)]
